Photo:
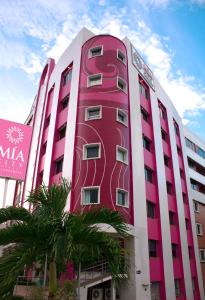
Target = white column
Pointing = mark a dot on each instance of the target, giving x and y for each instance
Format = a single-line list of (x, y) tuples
[(5, 192)]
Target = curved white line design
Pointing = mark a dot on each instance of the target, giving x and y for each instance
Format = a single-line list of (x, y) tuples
[(113, 204), (103, 146), (79, 170)]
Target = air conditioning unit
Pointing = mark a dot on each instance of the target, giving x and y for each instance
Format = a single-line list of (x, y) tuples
[(107, 294), (97, 294)]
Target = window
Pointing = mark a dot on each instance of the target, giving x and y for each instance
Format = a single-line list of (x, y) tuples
[(121, 84), (190, 252), (62, 132), (155, 290), (169, 188), (187, 224), (146, 143), (176, 129), (47, 122), (199, 230), (59, 165), (122, 198), (121, 56), (122, 116), (174, 250), (179, 150), (122, 154), (164, 134), (196, 206), (184, 196), (90, 195), (152, 248), (148, 174), (67, 77), (144, 114), (151, 210), (91, 151), (96, 51), (44, 148), (177, 287), (194, 283), (64, 102), (166, 160), (171, 218), (202, 255), (144, 91), (93, 113), (162, 112), (181, 173), (94, 80), (194, 186)]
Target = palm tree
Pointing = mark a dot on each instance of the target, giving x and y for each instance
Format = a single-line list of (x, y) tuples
[(49, 231)]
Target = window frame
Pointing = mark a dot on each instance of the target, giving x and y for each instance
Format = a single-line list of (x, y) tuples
[(151, 172), (89, 188), (90, 108), (90, 55), (177, 286), (200, 251), (57, 161), (63, 101), (153, 205), (86, 146), (126, 197), (118, 147), (201, 229), (119, 110), (145, 140), (63, 127), (124, 61), (93, 76), (196, 204), (124, 89)]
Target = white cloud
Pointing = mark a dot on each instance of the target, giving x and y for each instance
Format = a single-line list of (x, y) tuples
[(186, 95)]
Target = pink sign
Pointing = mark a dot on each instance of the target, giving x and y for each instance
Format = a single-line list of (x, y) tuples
[(15, 142)]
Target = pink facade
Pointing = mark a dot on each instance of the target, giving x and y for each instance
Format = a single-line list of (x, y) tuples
[(87, 132)]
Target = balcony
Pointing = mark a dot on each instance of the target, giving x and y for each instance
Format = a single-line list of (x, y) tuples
[(153, 229), (198, 196), (59, 149), (196, 176)]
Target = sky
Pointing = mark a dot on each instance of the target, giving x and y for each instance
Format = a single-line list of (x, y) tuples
[(169, 34)]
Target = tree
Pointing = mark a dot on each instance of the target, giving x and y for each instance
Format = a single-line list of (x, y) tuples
[(49, 231)]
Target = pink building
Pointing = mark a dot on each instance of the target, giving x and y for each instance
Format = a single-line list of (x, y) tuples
[(102, 120)]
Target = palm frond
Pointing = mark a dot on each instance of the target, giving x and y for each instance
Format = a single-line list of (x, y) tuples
[(14, 213)]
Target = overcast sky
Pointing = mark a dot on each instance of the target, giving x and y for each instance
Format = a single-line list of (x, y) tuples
[(170, 35)]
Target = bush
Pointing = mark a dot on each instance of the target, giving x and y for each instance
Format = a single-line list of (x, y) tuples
[(67, 292)]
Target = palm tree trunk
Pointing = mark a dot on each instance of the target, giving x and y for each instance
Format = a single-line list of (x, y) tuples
[(52, 279)]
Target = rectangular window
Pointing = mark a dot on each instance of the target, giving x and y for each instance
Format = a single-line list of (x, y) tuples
[(202, 255), (171, 218), (96, 51), (122, 116), (148, 174), (67, 77), (190, 252), (174, 250), (164, 134), (151, 210), (144, 91), (62, 132), (95, 79), (146, 143), (166, 160), (184, 196), (93, 113), (194, 186), (187, 224), (91, 151), (122, 155), (144, 114), (152, 248), (44, 148), (169, 188), (176, 128), (181, 173), (196, 206), (121, 84), (122, 198), (47, 122), (59, 165), (64, 102), (121, 56), (90, 195), (162, 112), (177, 287), (155, 291), (199, 230)]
